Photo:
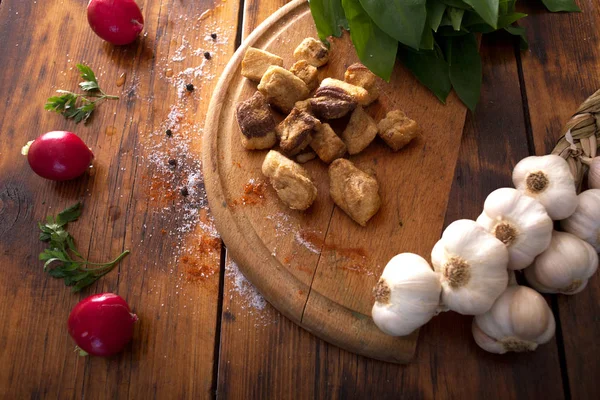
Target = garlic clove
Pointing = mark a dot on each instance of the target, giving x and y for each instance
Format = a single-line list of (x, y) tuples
[(594, 174), (585, 221), (547, 179), (518, 221), (406, 296), (564, 267), (519, 320), (472, 265)]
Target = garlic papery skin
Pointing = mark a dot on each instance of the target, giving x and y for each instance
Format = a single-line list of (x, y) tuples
[(547, 179), (594, 174), (519, 320), (585, 221), (472, 266), (518, 221), (407, 295), (564, 267)]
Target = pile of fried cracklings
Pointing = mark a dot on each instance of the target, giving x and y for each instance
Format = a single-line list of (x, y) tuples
[(305, 127)]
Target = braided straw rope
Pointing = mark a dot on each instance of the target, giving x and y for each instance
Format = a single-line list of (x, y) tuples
[(580, 143)]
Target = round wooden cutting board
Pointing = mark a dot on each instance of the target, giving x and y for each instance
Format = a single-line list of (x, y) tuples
[(318, 267)]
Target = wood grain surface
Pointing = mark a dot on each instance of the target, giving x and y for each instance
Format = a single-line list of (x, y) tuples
[(222, 338), (131, 201), (558, 74)]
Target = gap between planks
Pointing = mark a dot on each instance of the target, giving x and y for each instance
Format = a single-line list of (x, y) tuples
[(223, 260)]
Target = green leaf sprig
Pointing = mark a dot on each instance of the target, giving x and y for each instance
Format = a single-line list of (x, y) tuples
[(79, 107), (434, 39), (62, 260)]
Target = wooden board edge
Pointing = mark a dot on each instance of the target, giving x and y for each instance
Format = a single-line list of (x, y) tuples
[(357, 339)]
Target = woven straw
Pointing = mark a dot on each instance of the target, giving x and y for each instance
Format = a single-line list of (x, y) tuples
[(580, 143)]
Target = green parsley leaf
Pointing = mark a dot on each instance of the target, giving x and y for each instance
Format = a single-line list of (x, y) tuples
[(86, 73), (62, 260), (76, 106)]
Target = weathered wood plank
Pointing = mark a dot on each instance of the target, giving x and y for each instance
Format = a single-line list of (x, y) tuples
[(560, 71), (276, 359), (132, 199)]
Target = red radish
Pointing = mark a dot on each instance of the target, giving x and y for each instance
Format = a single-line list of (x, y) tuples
[(116, 21), (102, 324), (58, 155)]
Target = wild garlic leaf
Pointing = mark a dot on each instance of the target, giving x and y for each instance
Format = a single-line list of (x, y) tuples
[(457, 4), (487, 9), (402, 20), (329, 18), (561, 5), (430, 68), (520, 32), (375, 48), (455, 15), (435, 12), (476, 24), (465, 68), (427, 39)]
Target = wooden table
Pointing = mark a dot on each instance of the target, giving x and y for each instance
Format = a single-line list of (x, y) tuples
[(202, 330)]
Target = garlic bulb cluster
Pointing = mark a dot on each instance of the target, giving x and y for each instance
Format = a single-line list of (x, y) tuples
[(518, 221), (472, 265), (594, 174), (548, 180), (564, 267), (585, 221), (519, 320), (406, 296)]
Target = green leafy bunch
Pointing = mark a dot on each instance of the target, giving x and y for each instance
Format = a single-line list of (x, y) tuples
[(79, 107), (62, 255), (435, 39)]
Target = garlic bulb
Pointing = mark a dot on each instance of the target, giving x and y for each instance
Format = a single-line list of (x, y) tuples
[(518, 221), (585, 221), (406, 296), (564, 267), (472, 265), (594, 173), (519, 320), (548, 180)]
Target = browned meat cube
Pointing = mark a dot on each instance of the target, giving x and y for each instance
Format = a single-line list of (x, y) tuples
[(282, 88), (327, 144), (305, 156), (359, 75), (256, 123), (360, 94), (313, 51), (257, 61), (360, 132), (295, 131), (303, 105), (331, 103), (397, 130), (291, 182), (354, 191), (309, 74)]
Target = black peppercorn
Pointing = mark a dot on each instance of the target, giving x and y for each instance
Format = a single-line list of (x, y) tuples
[(207, 55), (169, 132), (173, 162), (189, 87), (184, 191), (213, 35)]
